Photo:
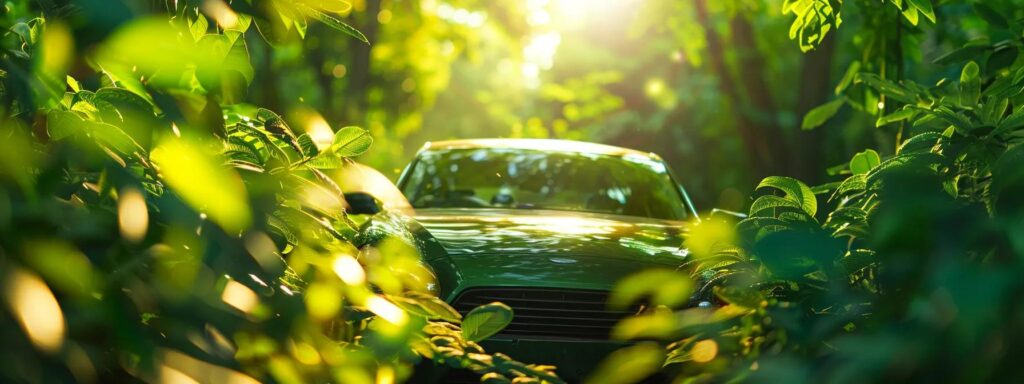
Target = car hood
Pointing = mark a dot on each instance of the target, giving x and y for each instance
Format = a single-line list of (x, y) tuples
[(518, 231), (498, 247)]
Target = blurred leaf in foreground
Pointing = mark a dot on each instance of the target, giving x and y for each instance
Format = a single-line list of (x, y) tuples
[(629, 365), (663, 287), (35, 307), (204, 183), (485, 321)]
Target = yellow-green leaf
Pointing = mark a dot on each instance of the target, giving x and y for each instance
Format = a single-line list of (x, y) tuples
[(863, 162), (201, 179), (351, 142), (970, 85), (664, 287), (629, 365), (485, 321)]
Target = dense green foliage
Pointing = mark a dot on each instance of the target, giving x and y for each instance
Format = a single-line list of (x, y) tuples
[(156, 226), (171, 194), (906, 268)]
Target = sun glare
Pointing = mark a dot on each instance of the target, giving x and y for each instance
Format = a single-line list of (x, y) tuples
[(239, 296), (386, 310), (349, 270)]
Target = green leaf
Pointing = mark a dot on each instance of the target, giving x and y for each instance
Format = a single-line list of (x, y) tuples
[(279, 128), (332, 22), (911, 15), (900, 115), (1008, 183), (758, 223), (970, 85), (992, 111), (351, 142), (854, 184), (199, 27), (825, 188), (888, 88), (858, 259), (282, 228), (925, 7), (75, 86), (326, 161), (664, 287), (1002, 57), (237, 59), (967, 52), (264, 115), (426, 305), (771, 202), (795, 190), (863, 162), (851, 74), (959, 122), (122, 99), (919, 163), (238, 149), (819, 115), (485, 321), (923, 142), (847, 215), (628, 365), (740, 296), (990, 15), (114, 137), (202, 181), (1010, 123), (61, 124), (309, 148)]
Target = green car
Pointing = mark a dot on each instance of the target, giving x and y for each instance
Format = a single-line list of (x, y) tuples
[(545, 226)]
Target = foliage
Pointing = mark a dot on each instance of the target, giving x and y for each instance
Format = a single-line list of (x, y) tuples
[(171, 204), (155, 227), (896, 271)]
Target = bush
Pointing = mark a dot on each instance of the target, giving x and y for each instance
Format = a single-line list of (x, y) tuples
[(155, 227), (902, 270)]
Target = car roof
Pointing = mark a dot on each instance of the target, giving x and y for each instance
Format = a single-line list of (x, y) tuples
[(553, 145)]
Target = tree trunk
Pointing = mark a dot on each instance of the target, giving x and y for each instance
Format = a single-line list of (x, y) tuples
[(359, 72), (815, 87), (757, 138), (317, 59), (762, 109)]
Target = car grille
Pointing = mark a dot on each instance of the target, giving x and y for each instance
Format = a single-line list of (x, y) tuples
[(548, 313)]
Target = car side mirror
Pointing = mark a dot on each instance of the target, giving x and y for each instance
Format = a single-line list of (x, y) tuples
[(361, 203), (726, 214)]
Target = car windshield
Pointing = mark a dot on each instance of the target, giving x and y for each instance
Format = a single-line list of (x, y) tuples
[(631, 184)]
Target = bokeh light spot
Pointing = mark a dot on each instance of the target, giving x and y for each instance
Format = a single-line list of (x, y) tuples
[(36, 309), (132, 215), (349, 270), (239, 296)]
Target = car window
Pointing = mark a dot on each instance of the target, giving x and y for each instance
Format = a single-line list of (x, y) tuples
[(634, 185)]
